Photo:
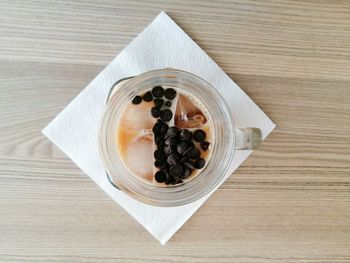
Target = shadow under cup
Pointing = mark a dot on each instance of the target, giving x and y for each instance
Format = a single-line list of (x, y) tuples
[(222, 147)]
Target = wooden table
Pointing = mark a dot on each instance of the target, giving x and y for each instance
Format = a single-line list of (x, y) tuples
[(290, 201)]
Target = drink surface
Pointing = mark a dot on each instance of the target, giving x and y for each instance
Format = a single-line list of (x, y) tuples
[(135, 139)]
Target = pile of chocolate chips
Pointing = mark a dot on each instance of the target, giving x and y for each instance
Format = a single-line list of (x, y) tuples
[(176, 155)]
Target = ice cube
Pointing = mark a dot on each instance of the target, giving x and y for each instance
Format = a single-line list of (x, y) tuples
[(188, 115), (139, 157), (138, 117)]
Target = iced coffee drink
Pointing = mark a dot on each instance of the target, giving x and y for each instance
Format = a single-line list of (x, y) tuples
[(164, 136)]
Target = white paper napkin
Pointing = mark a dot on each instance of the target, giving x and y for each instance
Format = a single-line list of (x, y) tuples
[(162, 44)]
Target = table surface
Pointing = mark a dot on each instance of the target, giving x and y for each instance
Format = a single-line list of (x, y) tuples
[(290, 201)]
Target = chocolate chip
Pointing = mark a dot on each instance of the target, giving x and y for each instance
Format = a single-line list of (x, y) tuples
[(155, 112), (147, 96), (172, 132), (184, 160), (168, 103), (199, 163), (136, 100), (194, 153), (185, 135), (170, 93), (160, 164), (188, 150), (190, 143), (187, 172), (181, 147), (159, 154), (158, 103), (205, 145), (169, 179), (171, 141), (166, 115), (157, 128), (158, 92), (169, 149), (161, 145), (177, 180), (176, 170), (164, 128), (189, 165), (173, 159), (158, 139), (199, 135), (160, 177)]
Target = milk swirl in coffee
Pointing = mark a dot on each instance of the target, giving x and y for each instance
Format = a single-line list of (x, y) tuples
[(165, 136)]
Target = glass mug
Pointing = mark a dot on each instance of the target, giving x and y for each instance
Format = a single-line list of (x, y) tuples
[(227, 138)]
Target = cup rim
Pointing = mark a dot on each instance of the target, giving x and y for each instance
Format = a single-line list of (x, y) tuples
[(129, 187)]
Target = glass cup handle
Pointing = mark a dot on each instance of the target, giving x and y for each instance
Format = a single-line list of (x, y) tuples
[(247, 138)]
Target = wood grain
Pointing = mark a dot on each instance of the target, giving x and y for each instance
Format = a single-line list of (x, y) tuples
[(289, 202)]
